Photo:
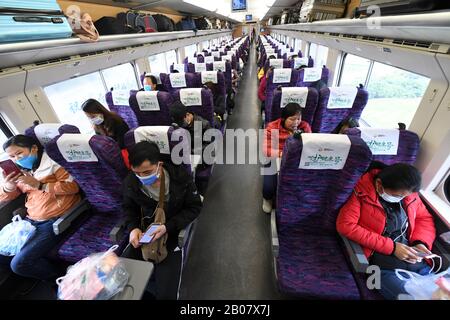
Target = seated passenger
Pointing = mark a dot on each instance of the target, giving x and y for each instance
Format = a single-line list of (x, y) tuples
[(346, 124), (289, 123), (50, 192), (107, 123), (218, 100), (185, 119), (262, 88), (261, 71), (386, 216), (182, 206), (151, 84)]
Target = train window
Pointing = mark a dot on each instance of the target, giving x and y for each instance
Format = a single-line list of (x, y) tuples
[(171, 58), (395, 92), (205, 44), (190, 50), (319, 54), (67, 97), (121, 77), (158, 63), (298, 45), (354, 70)]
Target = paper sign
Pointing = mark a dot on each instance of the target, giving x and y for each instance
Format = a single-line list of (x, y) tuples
[(148, 100), (276, 63), (282, 75), (298, 62), (324, 151), (177, 80), (294, 95), (290, 54), (200, 67), (342, 97), (216, 54), (209, 59), (209, 76), (191, 96), (381, 141), (219, 66), (179, 67), (227, 57), (46, 132), (312, 74), (157, 134), (74, 147), (191, 60), (120, 97)]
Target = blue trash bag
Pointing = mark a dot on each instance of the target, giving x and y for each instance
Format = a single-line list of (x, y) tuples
[(14, 235)]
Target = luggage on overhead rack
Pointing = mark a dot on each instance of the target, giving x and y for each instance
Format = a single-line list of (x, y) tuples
[(202, 24), (25, 20), (187, 23), (164, 23), (316, 10), (393, 7)]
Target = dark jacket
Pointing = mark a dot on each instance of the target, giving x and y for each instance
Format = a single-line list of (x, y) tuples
[(183, 207), (205, 126), (219, 105), (114, 128)]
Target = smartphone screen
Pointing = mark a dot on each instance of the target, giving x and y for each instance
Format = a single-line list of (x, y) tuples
[(147, 237), (8, 166)]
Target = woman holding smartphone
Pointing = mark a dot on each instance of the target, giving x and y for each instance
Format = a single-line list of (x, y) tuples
[(50, 192)]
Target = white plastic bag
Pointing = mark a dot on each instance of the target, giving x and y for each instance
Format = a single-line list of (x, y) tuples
[(420, 287), (99, 276), (14, 235)]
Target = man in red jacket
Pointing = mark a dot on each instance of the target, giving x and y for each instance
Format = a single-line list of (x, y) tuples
[(386, 216)]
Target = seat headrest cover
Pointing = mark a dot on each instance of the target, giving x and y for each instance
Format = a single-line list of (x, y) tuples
[(120, 97), (46, 132), (209, 76), (312, 74), (294, 95), (216, 54), (74, 147), (342, 97), (381, 141), (219, 66), (290, 54), (157, 134), (191, 96), (282, 75), (148, 100), (324, 151), (298, 62), (276, 63), (178, 80), (200, 67), (180, 66), (209, 59)]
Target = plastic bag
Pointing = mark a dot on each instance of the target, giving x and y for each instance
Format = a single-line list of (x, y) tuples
[(14, 235), (443, 291), (99, 276), (420, 287)]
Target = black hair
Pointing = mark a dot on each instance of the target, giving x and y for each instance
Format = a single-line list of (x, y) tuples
[(272, 57), (142, 151), (175, 71), (93, 106), (177, 112), (290, 110), (152, 78), (349, 122), (28, 142), (400, 176)]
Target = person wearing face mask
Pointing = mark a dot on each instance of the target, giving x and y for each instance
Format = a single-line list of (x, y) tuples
[(289, 123), (107, 123), (151, 84), (50, 192), (182, 206), (386, 216)]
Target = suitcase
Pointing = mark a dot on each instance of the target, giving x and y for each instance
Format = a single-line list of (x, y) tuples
[(315, 10), (25, 20), (393, 7)]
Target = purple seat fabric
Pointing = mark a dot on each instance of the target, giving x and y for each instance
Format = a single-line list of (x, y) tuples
[(171, 68), (408, 148), (153, 118), (191, 82), (326, 120), (310, 63), (299, 54), (308, 204), (101, 182), (221, 83), (270, 91), (307, 113), (286, 64), (124, 111), (206, 110), (324, 78), (64, 128), (227, 73)]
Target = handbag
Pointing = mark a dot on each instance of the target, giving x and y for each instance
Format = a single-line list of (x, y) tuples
[(156, 250), (84, 27)]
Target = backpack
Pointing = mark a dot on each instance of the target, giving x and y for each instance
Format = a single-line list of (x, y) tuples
[(145, 23), (163, 23)]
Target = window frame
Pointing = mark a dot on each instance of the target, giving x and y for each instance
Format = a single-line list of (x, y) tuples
[(342, 66)]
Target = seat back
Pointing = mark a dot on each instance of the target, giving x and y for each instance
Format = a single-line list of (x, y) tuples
[(219, 66), (297, 95), (336, 104), (180, 67), (302, 61), (309, 77), (151, 107), (118, 102), (215, 77), (198, 101), (317, 175), (45, 132), (176, 81), (389, 146)]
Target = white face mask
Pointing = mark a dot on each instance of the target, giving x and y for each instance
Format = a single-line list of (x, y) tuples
[(391, 199), (97, 120)]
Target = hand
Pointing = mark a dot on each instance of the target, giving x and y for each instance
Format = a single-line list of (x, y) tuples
[(10, 181), (422, 248), (29, 180), (135, 236), (159, 232), (405, 253)]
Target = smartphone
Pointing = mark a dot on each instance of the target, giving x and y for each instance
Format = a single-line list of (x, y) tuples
[(423, 254), (147, 237), (8, 166)]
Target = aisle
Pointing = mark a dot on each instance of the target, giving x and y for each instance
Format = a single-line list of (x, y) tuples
[(230, 257)]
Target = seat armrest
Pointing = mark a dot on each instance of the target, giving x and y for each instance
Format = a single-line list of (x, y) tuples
[(64, 222), (274, 234), (184, 234), (118, 232), (356, 254)]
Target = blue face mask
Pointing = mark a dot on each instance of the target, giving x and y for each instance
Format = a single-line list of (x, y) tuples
[(27, 162), (151, 179), (147, 87)]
